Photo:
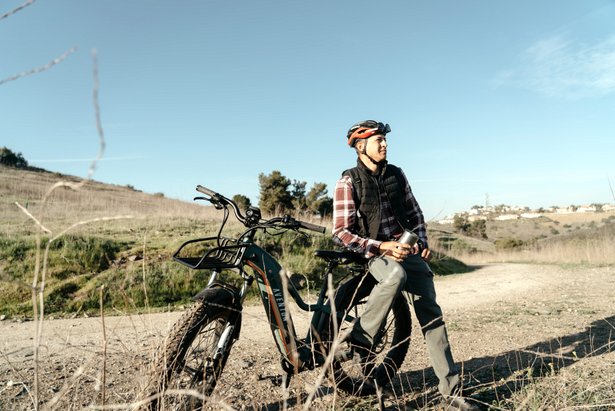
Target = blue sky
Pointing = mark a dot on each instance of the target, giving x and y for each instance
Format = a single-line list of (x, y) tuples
[(513, 100)]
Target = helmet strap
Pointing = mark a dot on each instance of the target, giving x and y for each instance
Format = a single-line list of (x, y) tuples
[(364, 152)]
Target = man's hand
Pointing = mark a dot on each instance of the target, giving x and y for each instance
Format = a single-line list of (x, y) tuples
[(397, 251), (426, 255)]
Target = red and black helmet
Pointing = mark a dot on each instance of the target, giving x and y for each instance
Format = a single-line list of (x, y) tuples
[(365, 129)]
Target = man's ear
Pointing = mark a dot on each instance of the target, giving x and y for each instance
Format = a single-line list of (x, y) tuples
[(359, 145)]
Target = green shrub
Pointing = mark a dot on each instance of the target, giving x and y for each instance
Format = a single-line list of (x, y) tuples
[(72, 260), (14, 249), (79, 255), (508, 243), (60, 296), (442, 264), (459, 246)]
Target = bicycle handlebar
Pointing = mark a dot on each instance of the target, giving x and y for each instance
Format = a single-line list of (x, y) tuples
[(287, 221), (206, 191), (312, 227)]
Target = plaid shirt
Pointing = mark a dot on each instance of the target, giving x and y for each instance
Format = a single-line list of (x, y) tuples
[(345, 213)]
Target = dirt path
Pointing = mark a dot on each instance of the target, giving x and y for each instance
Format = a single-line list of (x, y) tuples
[(501, 319)]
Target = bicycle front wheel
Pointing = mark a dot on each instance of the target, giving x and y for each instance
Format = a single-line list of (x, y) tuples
[(190, 361)]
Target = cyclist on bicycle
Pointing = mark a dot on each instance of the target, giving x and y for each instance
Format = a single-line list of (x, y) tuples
[(373, 205)]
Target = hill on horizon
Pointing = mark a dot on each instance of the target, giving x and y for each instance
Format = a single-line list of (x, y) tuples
[(92, 200)]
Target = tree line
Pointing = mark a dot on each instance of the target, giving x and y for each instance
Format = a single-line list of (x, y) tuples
[(278, 194), (12, 159)]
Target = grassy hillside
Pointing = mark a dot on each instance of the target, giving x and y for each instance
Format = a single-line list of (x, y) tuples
[(116, 236), (123, 239)]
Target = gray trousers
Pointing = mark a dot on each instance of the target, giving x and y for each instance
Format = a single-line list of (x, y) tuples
[(414, 277)]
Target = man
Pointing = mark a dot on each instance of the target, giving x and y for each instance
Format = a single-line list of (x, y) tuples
[(373, 205)]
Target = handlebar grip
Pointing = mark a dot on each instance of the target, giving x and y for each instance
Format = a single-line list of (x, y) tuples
[(206, 191), (312, 227)]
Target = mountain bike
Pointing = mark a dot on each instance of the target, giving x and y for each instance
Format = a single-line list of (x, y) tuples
[(193, 355)]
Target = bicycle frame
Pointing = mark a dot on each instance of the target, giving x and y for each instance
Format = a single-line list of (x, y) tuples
[(273, 285), (274, 288)]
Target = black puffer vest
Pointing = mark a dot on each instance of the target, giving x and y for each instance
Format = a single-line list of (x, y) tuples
[(366, 192)]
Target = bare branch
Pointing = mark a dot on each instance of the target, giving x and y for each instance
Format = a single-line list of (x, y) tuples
[(17, 9), (104, 354), (101, 137), (38, 223), (40, 69), (67, 184), (39, 288), (93, 220), (99, 128)]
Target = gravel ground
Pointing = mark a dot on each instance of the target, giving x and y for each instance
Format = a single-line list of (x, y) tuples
[(502, 319)]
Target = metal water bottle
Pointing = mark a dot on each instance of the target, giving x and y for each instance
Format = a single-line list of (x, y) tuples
[(408, 237)]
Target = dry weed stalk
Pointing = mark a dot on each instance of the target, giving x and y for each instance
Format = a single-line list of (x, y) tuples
[(40, 268), (334, 346), (17, 9), (47, 66), (144, 271), (104, 348)]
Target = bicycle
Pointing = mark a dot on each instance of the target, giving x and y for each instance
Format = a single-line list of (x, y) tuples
[(196, 349)]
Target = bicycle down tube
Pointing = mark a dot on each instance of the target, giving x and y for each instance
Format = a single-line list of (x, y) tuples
[(271, 289)]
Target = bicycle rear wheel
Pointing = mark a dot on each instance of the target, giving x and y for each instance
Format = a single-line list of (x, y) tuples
[(190, 361), (355, 372)]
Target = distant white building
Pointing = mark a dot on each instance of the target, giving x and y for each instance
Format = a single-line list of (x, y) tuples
[(586, 209), (608, 207)]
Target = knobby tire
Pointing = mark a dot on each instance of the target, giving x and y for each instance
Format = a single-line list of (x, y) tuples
[(184, 360)]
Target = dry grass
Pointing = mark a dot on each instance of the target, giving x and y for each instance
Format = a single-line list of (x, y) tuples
[(572, 388), (92, 200), (598, 250)]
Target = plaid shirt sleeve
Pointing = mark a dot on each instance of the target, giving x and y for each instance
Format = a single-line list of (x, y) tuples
[(415, 214), (344, 215)]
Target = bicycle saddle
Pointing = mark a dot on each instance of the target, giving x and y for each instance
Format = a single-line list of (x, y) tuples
[(342, 257)]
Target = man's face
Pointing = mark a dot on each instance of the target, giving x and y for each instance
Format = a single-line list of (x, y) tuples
[(376, 147)]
